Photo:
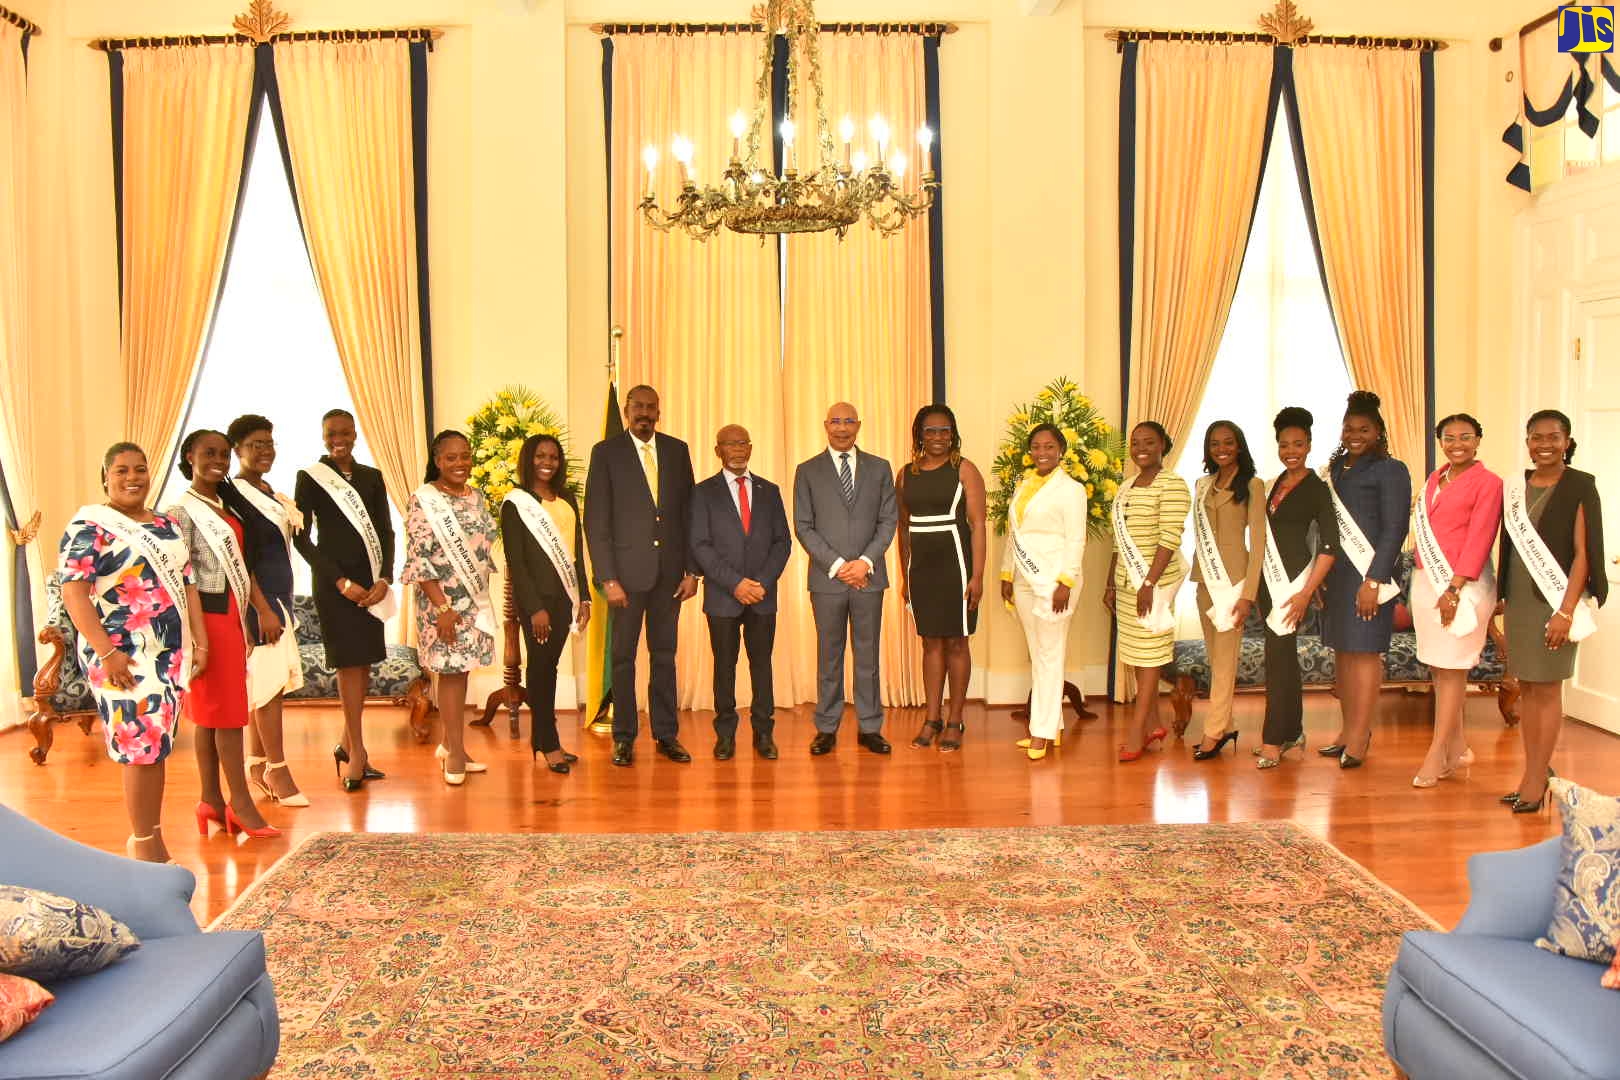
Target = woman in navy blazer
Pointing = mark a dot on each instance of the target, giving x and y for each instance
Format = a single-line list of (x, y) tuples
[(1377, 492)]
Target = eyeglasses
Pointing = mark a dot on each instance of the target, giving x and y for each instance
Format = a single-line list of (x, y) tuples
[(937, 430), (842, 421), (259, 444), (1465, 438)]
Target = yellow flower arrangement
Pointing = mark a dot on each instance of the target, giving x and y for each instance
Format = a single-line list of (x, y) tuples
[(1094, 455), (497, 432)]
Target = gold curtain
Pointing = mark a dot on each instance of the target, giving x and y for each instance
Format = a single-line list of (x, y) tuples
[(1361, 118), (1201, 119), (859, 327), (348, 113), (17, 447), (185, 128), (1200, 139), (700, 319)]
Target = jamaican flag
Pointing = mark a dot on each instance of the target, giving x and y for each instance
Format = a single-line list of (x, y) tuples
[(599, 634)]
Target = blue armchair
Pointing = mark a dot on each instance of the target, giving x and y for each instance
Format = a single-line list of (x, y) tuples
[(184, 1006), (1483, 1002)]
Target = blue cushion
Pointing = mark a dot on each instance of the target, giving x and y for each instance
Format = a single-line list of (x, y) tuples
[(1586, 904), (46, 936), (1542, 1016), (139, 1017)]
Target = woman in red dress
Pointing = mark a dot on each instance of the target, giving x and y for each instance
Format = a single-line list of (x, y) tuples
[(217, 703)]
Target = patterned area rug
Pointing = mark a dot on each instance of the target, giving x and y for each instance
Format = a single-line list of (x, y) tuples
[(1109, 951)]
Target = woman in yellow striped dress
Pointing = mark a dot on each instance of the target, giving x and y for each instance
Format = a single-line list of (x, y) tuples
[(1150, 513)]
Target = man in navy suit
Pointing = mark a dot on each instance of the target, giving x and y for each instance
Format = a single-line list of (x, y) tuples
[(738, 531), (636, 496)]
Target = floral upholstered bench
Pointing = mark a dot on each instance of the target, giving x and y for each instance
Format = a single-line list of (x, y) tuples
[(61, 691), (1316, 662)]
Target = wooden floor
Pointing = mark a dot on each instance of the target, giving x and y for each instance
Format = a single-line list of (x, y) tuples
[(1415, 840)]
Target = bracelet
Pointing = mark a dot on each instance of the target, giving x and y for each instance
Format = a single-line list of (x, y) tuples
[(101, 658), (1570, 615)]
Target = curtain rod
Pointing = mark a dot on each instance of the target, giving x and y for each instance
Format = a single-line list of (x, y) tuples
[(927, 29), (27, 26), (428, 34), (1528, 28), (1228, 37)]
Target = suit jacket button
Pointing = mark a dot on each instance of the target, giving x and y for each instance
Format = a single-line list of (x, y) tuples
[(657, 517), (657, 542)]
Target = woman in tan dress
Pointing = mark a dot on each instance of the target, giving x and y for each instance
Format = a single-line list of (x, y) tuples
[(1232, 501)]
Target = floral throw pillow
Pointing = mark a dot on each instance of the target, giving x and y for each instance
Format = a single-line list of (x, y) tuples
[(45, 936), (1586, 908), (20, 1001)]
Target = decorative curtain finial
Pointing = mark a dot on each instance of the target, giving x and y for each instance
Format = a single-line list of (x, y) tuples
[(261, 21), (1285, 23)]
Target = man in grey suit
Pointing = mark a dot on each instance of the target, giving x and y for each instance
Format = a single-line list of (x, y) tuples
[(844, 514)]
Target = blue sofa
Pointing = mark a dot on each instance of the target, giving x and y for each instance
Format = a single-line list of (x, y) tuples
[(1482, 1002), (1190, 668), (61, 691), (184, 1006)]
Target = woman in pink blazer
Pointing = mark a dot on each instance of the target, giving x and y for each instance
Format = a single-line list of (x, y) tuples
[(1454, 588)]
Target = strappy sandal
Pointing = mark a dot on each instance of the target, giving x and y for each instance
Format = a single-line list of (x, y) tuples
[(930, 731), (952, 742)]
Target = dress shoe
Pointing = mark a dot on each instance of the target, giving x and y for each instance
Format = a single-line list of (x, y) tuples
[(873, 742), (472, 766), (765, 747), (672, 749), (823, 743), (725, 747), (624, 752), (341, 757)]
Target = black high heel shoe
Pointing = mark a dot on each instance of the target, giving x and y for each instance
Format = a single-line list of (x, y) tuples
[(558, 766), (1200, 754), (1512, 797), (340, 758), (1347, 760)]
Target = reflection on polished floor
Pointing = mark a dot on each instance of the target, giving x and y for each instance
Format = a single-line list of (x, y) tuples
[(1417, 841)]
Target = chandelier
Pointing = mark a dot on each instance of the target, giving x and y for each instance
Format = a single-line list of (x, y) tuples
[(817, 190)]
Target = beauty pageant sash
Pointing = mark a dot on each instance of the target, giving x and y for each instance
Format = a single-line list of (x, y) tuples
[(1043, 581), (221, 540), (166, 558), (545, 533), (354, 508), (1279, 586), (1223, 594), (1160, 618), (1438, 567), (457, 548), (1354, 542), (1549, 577)]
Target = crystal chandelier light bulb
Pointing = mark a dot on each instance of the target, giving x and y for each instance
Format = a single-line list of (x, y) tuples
[(650, 156), (788, 128), (739, 124), (846, 129), (858, 161), (925, 138), (897, 164)]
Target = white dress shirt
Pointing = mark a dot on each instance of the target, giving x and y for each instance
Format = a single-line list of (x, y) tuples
[(731, 486), (838, 470), (641, 459)]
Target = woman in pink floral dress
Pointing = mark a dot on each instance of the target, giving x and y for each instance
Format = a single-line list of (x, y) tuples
[(450, 538), (127, 585)]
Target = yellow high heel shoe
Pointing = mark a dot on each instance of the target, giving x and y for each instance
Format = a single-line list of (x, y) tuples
[(1023, 744), (1036, 753)]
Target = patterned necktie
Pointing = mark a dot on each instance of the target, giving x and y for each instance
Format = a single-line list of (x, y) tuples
[(846, 478), (742, 504), (649, 464)]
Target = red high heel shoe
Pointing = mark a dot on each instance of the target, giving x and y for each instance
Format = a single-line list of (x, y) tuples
[(1129, 755), (205, 814), (234, 824), (1157, 735)]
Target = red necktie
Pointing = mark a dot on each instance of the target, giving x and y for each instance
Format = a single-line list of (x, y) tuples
[(742, 503)]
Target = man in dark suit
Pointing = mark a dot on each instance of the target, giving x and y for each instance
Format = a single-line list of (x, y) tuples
[(636, 496), (740, 541), (844, 514)]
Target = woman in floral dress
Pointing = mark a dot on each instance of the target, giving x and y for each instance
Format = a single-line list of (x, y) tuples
[(127, 585), (450, 538)]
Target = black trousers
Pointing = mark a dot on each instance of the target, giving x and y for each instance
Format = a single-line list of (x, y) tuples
[(540, 682), (661, 612), (1285, 704), (757, 632)]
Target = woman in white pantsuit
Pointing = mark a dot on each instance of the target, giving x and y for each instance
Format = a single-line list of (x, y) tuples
[(1040, 572)]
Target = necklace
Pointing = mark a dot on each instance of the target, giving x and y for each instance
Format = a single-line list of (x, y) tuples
[(453, 494), (216, 503)]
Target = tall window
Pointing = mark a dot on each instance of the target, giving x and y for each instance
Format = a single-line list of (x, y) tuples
[(1563, 149), (271, 349), (1279, 348)]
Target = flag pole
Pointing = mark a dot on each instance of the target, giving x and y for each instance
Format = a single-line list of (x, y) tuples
[(601, 721)]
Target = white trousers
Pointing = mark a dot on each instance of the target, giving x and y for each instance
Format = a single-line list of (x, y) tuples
[(1048, 641)]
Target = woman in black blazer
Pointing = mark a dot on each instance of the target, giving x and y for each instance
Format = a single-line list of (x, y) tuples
[(343, 585), (1300, 512), (537, 587), (1563, 505)]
